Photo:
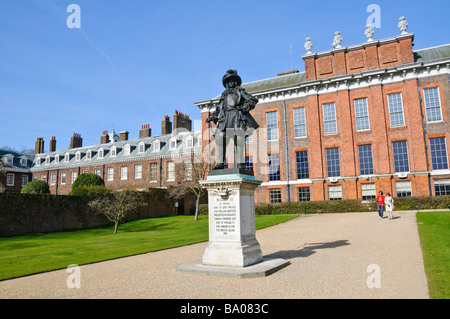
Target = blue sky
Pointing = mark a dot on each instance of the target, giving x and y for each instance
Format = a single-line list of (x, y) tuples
[(133, 61)]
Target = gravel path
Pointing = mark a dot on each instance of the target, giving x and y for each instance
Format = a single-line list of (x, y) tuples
[(330, 257)]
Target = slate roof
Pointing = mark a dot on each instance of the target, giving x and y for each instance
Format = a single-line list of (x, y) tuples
[(422, 55), (17, 165), (108, 158), (431, 54)]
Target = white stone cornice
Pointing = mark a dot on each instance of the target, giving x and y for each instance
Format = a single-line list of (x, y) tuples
[(347, 82)]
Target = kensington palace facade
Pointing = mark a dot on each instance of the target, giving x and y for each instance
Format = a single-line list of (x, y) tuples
[(360, 119)]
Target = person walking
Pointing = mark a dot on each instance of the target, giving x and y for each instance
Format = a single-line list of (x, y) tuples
[(389, 201), (380, 204)]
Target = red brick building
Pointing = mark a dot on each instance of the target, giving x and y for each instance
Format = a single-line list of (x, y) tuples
[(15, 170), (359, 119), (146, 162)]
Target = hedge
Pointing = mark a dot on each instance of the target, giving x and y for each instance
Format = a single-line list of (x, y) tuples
[(346, 206)]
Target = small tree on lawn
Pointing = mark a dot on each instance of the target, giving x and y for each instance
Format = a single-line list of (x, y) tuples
[(193, 171), (117, 205)]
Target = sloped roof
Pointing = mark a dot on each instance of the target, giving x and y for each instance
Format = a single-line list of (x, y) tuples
[(422, 55), (16, 165), (433, 53), (120, 156)]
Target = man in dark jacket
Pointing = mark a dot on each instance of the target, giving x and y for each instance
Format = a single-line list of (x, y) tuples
[(232, 119)]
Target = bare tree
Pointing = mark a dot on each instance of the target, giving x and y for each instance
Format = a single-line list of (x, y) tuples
[(116, 205), (193, 171)]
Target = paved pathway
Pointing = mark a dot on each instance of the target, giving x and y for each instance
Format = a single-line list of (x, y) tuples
[(330, 254)]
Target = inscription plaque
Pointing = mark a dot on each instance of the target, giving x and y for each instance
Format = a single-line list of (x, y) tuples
[(225, 210)]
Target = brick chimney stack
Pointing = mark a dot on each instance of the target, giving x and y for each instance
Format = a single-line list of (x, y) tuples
[(145, 131), (39, 145), (52, 147), (104, 138), (166, 125), (181, 120), (76, 141), (123, 135)]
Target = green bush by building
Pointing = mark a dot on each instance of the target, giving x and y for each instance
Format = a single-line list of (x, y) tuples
[(35, 187), (87, 179)]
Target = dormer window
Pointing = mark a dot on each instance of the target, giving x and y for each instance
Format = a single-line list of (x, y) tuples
[(141, 148), (89, 154), (9, 159), (23, 162), (173, 144), (101, 153), (38, 161), (113, 151), (56, 159), (189, 142), (77, 156), (47, 160), (156, 146), (126, 150), (66, 157)]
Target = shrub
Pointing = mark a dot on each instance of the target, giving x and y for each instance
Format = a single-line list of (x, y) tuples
[(35, 187), (87, 179), (90, 191)]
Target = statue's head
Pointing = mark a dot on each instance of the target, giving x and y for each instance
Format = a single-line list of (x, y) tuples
[(232, 79)]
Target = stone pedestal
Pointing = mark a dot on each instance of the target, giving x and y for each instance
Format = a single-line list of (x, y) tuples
[(232, 247), (231, 203)]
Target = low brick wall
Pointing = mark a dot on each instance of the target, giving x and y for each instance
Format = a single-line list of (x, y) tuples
[(22, 214)]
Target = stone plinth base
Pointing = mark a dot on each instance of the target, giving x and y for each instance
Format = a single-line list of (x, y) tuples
[(232, 249), (232, 254), (262, 269)]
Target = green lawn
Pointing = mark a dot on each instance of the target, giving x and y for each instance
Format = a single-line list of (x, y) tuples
[(25, 255), (434, 231)]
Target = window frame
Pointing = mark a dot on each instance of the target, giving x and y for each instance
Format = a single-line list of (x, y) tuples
[(434, 152), (63, 178), (153, 174), (301, 122), (392, 104), (272, 195), (273, 175), (170, 171), (332, 119), (361, 112), (394, 156), (433, 107), (302, 167), (138, 172), (409, 189), (335, 189), (10, 179), (272, 126), (365, 170), (110, 174), (123, 173), (301, 191), (331, 162)]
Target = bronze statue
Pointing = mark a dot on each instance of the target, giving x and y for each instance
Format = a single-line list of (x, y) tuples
[(232, 119)]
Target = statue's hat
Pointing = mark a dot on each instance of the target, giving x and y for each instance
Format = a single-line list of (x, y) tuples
[(231, 74)]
